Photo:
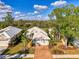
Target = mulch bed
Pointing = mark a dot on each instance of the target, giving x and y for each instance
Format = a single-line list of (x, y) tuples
[(67, 48)]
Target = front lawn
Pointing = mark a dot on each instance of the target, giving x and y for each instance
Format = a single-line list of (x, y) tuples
[(22, 58), (19, 49)]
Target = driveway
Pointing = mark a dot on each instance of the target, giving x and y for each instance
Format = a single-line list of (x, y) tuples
[(42, 52)]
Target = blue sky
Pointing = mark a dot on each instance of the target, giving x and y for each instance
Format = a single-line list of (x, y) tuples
[(35, 9)]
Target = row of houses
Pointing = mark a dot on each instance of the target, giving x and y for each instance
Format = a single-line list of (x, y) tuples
[(37, 35), (8, 34)]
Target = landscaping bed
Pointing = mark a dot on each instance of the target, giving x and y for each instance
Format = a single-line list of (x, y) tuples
[(60, 49)]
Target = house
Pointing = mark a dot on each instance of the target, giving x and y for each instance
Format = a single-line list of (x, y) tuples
[(38, 36), (7, 35), (76, 43)]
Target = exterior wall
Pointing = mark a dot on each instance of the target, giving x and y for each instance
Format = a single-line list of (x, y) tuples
[(13, 39), (41, 42), (3, 46), (4, 43)]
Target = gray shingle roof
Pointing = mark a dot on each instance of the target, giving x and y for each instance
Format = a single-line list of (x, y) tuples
[(12, 31), (37, 33)]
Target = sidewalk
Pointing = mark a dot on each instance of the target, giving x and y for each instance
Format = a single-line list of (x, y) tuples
[(33, 56), (17, 56)]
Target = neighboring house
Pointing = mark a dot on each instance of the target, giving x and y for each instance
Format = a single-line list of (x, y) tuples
[(38, 36), (7, 35), (76, 43)]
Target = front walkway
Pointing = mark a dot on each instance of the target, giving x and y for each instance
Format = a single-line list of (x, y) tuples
[(42, 52)]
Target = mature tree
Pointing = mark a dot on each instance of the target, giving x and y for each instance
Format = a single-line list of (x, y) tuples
[(9, 19), (67, 20)]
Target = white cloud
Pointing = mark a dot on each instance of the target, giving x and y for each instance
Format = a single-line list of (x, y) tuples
[(30, 13), (36, 12), (59, 3), (33, 17), (42, 17), (33, 13), (18, 17), (7, 7), (39, 16), (4, 9), (17, 13), (46, 18), (40, 7), (1, 3), (7, 10)]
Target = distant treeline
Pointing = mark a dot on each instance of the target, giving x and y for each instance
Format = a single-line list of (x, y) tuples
[(28, 23)]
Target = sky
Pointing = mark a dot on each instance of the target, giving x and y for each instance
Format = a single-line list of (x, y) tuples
[(32, 9)]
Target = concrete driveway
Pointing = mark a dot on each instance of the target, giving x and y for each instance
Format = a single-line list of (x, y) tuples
[(42, 52)]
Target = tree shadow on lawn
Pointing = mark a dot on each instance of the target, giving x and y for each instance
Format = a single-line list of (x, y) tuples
[(5, 51), (20, 55)]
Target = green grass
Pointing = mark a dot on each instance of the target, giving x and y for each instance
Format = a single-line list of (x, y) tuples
[(22, 58), (15, 49), (45, 29), (26, 58), (18, 49)]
